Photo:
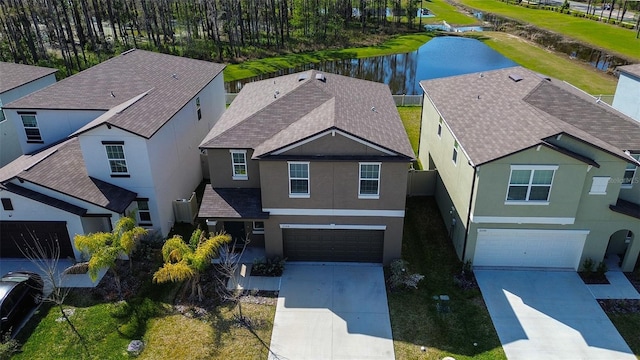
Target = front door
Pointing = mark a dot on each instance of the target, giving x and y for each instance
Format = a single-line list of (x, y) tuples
[(236, 230)]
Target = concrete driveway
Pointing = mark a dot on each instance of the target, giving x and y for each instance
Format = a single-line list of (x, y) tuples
[(328, 311), (549, 315)]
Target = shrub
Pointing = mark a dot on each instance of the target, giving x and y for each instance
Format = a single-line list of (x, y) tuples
[(268, 267), (401, 277), (587, 265), (601, 269), (8, 347)]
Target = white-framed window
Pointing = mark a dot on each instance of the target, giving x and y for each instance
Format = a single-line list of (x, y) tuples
[(530, 184), (7, 205), (258, 227), (198, 110), (439, 130), (599, 185), (630, 173), (454, 157), (117, 160), (369, 181), (144, 214), (31, 128), (239, 164), (2, 118), (298, 179)]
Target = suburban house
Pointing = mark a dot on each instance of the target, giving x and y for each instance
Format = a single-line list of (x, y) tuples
[(119, 137), (311, 166), (16, 81), (532, 172), (627, 96)]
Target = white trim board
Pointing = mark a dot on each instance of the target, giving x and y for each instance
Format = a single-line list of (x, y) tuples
[(522, 220), (333, 132), (534, 231), (334, 212), (333, 226)]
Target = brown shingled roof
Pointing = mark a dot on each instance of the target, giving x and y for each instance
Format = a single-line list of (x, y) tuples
[(493, 116), (170, 81), (63, 170), (271, 114), (14, 75)]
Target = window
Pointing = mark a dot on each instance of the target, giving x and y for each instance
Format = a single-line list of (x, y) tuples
[(258, 227), (530, 183), (2, 118), (144, 215), (198, 108), (239, 164), (369, 181), (31, 128), (599, 185), (6, 204), (298, 179), (439, 130), (454, 158), (117, 162), (630, 173)]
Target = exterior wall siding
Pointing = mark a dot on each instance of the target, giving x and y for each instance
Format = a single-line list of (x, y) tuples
[(627, 95), (221, 171), (54, 125)]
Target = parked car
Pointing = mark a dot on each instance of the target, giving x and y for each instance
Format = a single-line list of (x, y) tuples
[(20, 292)]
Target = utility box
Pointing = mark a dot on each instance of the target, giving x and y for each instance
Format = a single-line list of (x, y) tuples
[(185, 210)]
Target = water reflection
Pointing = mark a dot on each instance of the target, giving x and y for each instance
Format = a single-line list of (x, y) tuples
[(440, 57)]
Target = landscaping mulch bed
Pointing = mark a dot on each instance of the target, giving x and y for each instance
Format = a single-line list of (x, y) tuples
[(593, 278), (634, 279), (615, 306)]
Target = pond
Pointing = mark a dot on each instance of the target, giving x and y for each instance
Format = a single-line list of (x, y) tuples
[(440, 57)]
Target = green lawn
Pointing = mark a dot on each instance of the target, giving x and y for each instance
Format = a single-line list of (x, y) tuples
[(559, 66), (445, 11), (396, 45), (411, 116), (628, 326), (610, 37), (464, 333)]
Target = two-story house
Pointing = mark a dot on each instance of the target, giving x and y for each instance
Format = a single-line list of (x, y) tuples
[(532, 172), (121, 136), (627, 96), (16, 81), (312, 166)]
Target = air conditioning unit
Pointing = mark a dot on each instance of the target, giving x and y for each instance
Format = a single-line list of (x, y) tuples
[(185, 210)]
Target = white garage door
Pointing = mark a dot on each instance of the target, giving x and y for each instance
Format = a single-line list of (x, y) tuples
[(529, 248)]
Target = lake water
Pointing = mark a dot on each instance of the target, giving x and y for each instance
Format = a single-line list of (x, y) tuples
[(440, 57)]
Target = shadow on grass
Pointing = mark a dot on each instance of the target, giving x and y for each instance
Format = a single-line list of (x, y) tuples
[(415, 317)]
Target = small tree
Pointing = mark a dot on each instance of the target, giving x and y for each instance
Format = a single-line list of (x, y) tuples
[(228, 271), (104, 248), (184, 261)]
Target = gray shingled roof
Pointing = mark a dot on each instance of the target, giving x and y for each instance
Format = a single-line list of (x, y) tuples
[(271, 114), (171, 82), (45, 199), (493, 116), (225, 203), (630, 69), (62, 169), (14, 75)]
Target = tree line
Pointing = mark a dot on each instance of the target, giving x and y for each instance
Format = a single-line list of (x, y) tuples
[(76, 34)]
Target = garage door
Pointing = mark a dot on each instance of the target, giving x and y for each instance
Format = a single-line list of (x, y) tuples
[(16, 235), (333, 245), (529, 248)]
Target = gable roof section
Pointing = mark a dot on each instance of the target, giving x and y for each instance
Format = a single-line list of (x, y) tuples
[(272, 114), (14, 75), (62, 169), (493, 116), (169, 82), (44, 199)]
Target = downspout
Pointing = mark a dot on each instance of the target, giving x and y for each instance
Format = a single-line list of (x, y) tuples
[(466, 233)]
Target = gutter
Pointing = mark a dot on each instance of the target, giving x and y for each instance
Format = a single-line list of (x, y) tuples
[(466, 234)]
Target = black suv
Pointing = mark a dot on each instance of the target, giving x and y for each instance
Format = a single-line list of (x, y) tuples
[(20, 292)]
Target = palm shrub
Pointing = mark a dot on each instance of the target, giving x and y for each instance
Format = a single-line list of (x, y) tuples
[(186, 261)]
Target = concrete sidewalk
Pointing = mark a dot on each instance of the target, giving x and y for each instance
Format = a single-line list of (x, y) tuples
[(619, 287)]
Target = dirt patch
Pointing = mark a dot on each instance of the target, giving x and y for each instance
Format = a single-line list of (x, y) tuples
[(611, 306)]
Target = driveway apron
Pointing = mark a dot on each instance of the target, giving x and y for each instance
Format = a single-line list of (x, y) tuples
[(549, 315), (331, 311)]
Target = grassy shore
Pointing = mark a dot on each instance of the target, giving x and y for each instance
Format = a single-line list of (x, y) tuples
[(559, 66), (612, 38), (395, 45)]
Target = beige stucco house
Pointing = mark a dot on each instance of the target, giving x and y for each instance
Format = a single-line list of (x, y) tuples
[(532, 172), (311, 166)]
